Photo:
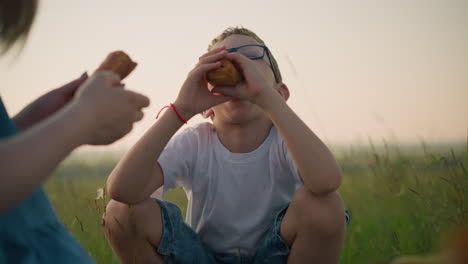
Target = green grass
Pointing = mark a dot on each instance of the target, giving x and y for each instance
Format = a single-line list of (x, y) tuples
[(402, 200)]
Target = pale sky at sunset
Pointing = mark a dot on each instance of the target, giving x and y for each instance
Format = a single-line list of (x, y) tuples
[(356, 69)]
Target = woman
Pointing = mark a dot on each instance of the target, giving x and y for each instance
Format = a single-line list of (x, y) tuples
[(95, 110)]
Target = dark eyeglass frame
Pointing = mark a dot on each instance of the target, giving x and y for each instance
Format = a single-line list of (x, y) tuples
[(265, 50)]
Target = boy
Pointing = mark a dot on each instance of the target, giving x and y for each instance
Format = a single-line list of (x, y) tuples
[(260, 184)]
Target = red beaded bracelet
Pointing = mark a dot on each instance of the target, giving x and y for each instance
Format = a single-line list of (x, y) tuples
[(175, 111)]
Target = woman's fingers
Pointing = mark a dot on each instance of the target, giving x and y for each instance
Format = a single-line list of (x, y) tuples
[(137, 99), (70, 88), (108, 77), (138, 115)]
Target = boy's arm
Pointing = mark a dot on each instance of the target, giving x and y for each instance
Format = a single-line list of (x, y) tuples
[(317, 167), (138, 174)]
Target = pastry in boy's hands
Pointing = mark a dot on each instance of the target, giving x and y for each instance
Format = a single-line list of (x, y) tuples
[(227, 75), (118, 62)]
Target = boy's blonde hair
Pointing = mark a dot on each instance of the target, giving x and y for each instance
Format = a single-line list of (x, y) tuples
[(243, 31)]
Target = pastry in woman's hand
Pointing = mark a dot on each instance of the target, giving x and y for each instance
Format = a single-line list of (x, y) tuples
[(118, 62)]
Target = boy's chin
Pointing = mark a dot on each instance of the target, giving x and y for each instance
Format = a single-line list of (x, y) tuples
[(239, 112), (243, 117)]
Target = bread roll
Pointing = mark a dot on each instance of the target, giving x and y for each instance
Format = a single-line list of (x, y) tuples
[(227, 74)]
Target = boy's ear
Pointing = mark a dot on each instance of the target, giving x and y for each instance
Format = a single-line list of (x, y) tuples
[(207, 113), (284, 91)]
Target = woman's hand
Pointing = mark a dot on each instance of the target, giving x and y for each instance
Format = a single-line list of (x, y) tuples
[(105, 110), (47, 104)]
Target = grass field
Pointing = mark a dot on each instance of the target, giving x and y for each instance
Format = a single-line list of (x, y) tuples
[(402, 199)]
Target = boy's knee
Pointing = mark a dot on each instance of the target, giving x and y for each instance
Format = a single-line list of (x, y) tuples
[(136, 220), (116, 219), (323, 215)]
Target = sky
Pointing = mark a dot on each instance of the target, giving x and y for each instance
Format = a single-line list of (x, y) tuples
[(357, 70)]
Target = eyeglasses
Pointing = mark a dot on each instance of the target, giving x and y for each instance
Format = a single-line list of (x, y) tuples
[(255, 52)]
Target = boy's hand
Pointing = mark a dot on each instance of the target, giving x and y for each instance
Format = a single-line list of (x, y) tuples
[(105, 110), (47, 104), (194, 96), (256, 85)]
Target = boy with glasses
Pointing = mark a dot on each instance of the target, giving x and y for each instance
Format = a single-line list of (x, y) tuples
[(261, 186)]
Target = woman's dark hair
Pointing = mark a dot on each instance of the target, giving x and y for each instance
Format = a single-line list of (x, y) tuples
[(16, 19)]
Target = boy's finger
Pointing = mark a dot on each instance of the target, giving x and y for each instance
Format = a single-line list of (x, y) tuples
[(211, 52), (213, 58), (227, 91), (204, 68), (241, 60), (222, 99)]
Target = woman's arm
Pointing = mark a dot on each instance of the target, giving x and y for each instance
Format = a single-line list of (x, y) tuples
[(28, 158), (101, 112)]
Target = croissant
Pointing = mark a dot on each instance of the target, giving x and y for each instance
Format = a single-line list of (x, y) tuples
[(227, 74), (118, 62)]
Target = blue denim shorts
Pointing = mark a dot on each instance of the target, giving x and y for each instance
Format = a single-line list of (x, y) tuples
[(180, 244)]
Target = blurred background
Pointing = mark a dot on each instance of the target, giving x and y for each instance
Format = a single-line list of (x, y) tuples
[(383, 83), (357, 70)]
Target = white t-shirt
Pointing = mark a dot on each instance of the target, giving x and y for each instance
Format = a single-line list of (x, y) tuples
[(233, 198)]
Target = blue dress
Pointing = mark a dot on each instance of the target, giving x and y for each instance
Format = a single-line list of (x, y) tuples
[(30, 233)]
